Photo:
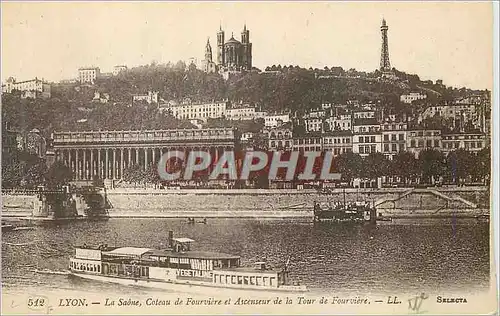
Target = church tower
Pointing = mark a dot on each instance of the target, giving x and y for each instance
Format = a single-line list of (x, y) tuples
[(246, 48), (208, 65), (220, 47), (385, 65), (208, 51)]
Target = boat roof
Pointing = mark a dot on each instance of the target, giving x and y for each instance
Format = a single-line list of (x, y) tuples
[(252, 270), (183, 239), (129, 251), (192, 254)]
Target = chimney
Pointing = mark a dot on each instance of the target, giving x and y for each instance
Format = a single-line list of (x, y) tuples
[(170, 239)]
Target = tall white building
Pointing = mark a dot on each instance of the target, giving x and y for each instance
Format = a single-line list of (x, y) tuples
[(88, 74), (276, 119), (339, 123), (243, 113), (412, 96), (196, 110)]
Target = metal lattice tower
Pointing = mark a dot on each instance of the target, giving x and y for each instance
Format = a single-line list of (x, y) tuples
[(385, 65)]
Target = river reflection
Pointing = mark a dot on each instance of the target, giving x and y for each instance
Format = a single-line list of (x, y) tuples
[(404, 255)]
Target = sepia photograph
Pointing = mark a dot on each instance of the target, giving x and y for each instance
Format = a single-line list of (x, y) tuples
[(249, 157)]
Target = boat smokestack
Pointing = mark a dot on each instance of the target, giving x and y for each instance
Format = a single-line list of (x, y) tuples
[(170, 238)]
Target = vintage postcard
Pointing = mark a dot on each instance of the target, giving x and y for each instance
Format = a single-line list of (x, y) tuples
[(248, 158)]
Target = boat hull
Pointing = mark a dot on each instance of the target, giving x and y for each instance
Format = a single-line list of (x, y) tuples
[(59, 220), (186, 286)]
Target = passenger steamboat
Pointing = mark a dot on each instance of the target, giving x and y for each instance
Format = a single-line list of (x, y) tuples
[(177, 268)]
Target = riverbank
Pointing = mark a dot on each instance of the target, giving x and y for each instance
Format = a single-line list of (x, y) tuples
[(277, 203), (268, 214)]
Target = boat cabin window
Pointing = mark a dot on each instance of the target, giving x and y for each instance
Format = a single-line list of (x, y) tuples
[(217, 263), (260, 265)]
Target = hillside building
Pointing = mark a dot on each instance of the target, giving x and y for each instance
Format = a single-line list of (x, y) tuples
[(29, 88), (150, 97), (203, 111), (88, 74), (413, 96)]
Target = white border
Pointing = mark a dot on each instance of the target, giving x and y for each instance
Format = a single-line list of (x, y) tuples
[(495, 141)]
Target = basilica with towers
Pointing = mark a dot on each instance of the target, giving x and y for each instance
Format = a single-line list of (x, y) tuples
[(232, 55)]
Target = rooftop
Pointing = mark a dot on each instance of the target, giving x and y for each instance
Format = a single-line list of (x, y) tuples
[(366, 121), (128, 251), (191, 254), (183, 240)]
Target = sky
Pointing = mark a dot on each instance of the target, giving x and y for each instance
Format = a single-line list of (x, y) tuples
[(452, 41)]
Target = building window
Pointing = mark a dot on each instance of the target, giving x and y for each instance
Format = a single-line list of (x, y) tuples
[(429, 143), (401, 136), (372, 140), (393, 147), (386, 147), (386, 137), (361, 139)]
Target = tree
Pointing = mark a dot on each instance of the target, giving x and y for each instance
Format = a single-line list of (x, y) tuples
[(180, 66), (58, 174), (151, 174), (432, 165), (133, 174), (349, 165), (12, 174), (460, 164), (483, 165), (35, 174), (404, 165), (375, 165)]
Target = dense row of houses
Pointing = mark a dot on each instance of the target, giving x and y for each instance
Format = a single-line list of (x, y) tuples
[(375, 139), (365, 130)]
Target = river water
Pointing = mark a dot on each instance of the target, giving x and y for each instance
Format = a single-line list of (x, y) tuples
[(403, 255)]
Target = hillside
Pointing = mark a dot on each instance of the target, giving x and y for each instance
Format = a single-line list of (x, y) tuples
[(292, 88)]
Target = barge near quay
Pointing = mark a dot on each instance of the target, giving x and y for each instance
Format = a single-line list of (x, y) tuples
[(354, 212), (177, 268)]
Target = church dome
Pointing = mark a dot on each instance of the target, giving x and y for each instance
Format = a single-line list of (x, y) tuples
[(232, 40)]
